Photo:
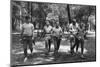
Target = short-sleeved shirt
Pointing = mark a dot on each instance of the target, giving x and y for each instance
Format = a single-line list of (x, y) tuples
[(57, 31), (47, 28), (73, 28), (28, 29), (81, 34), (47, 31)]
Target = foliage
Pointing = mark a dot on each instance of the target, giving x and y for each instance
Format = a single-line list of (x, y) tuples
[(39, 12)]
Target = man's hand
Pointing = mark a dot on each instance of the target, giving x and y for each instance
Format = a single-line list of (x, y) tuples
[(32, 38)]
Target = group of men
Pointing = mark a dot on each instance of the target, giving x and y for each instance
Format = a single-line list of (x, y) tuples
[(77, 35), (52, 33)]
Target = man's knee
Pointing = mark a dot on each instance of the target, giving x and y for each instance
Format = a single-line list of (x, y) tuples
[(82, 41)]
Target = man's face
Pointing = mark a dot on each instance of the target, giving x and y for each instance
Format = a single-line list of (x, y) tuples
[(27, 21), (74, 23)]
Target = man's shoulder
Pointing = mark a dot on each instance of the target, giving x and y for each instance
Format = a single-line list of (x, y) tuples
[(77, 24), (50, 26), (45, 26), (71, 24), (23, 24), (53, 28), (59, 26), (30, 24)]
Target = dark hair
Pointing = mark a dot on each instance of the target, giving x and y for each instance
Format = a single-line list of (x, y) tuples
[(27, 18)]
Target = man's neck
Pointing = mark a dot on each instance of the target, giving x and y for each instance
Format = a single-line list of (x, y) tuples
[(27, 23), (48, 25)]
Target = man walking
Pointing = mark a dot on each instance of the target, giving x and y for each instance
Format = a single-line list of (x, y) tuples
[(47, 30), (26, 34), (79, 40), (57, 31), (73, 28)]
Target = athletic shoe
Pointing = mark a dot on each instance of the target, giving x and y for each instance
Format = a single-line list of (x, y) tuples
[(82, 56), (25, 59)]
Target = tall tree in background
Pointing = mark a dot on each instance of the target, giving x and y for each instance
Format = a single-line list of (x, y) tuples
[(68, 10)]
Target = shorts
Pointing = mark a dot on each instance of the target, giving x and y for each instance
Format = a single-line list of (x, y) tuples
[(72, 38), (27, 39)]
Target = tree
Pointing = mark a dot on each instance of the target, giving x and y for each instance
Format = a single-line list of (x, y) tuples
[(84, 12), (68, 9)]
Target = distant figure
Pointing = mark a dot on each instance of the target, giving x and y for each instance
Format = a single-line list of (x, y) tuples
[(27, 34)]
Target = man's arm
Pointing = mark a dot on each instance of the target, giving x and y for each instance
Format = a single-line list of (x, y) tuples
[(22, 31), (32, 29), (61, 32)]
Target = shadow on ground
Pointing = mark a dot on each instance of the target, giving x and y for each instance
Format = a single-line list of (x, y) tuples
[(40, 56)]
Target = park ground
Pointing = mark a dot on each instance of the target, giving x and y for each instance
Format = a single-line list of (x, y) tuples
[(39, 53)]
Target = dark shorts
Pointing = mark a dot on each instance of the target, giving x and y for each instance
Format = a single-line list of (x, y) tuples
[(27, 39), (72, 38), (47, 36)]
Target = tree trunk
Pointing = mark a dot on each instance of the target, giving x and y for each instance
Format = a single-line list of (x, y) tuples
[(68, 10), (43, 15)]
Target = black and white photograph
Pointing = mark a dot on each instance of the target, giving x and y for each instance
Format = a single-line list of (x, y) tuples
[(51, 33)]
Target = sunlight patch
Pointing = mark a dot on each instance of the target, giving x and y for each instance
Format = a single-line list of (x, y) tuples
[(66, 48), (40, 45)]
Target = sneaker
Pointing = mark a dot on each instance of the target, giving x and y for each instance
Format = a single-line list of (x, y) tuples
[(25, 59), (77, 52), (82, 56), (72, 52)]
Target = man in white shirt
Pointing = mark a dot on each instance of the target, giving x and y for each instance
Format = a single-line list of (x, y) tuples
[(26, 34), (79, 40), (47, 30), (73, 26), (57, 32), (73, 29)]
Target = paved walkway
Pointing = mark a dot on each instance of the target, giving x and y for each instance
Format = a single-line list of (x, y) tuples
[(39, 57), (39, 53), (41, 45)]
